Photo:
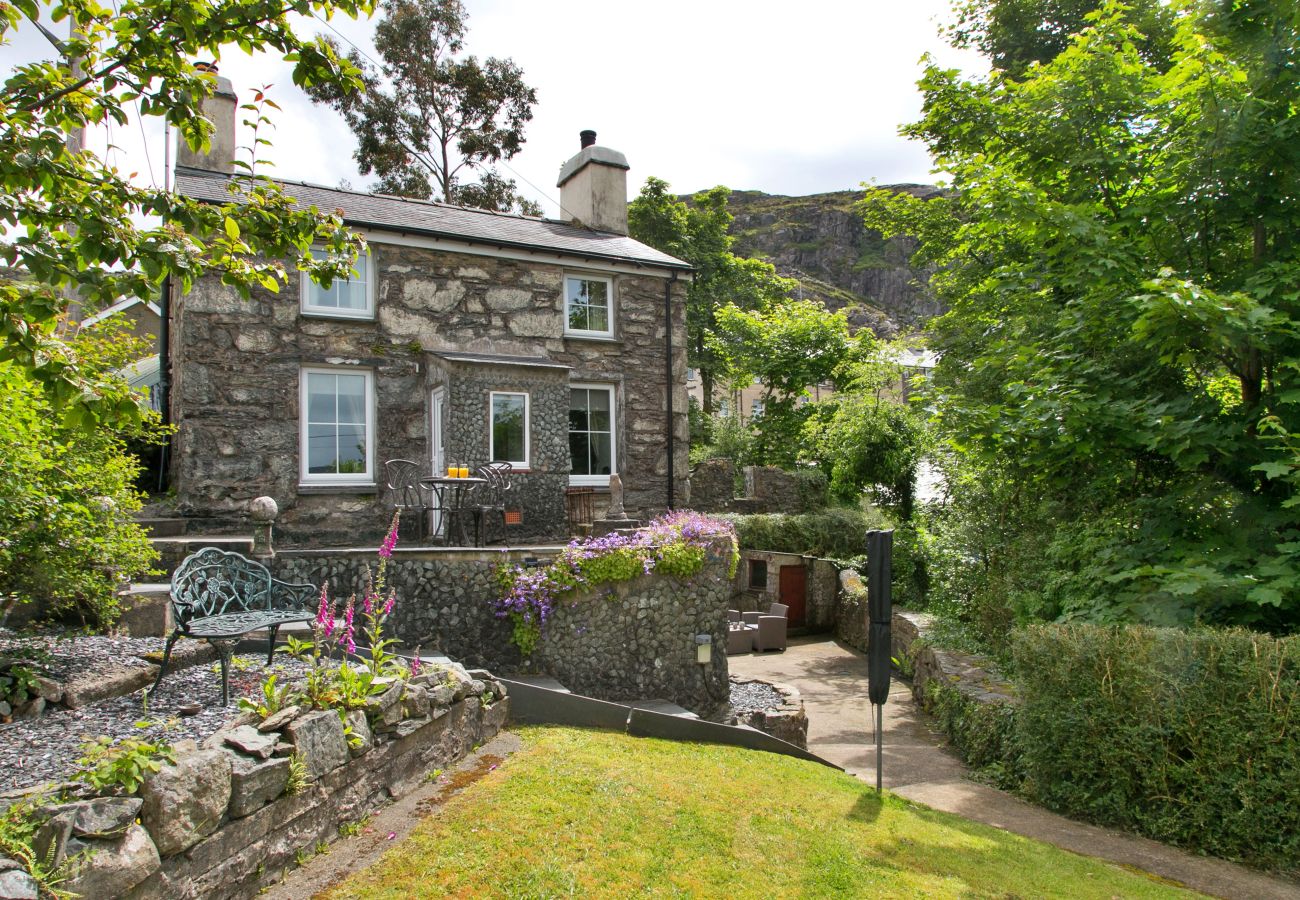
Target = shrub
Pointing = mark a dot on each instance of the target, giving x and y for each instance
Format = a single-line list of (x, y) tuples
[(1190, 737), (120, 767), (67, 493), (838, 533)]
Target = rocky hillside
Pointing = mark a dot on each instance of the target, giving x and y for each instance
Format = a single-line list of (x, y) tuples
[(821, 242)]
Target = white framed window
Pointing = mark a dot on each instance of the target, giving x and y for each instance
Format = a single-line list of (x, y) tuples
[(348, 298), (508, 435), (724, 408), (591, 434), (337, 425), (755, 408), (588, 306)]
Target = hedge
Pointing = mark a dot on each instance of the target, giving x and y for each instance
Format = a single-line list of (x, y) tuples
[(1190, 737), (837, 532)]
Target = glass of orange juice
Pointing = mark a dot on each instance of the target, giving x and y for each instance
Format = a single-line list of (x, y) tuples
[(451, 471), (463, 473)]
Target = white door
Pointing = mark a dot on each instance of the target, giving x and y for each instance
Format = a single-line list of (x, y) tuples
[(437, 403)]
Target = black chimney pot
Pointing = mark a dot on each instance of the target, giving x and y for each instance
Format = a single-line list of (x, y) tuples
[(588, 138)]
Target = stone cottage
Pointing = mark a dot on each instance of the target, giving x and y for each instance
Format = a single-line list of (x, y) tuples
[(467, 336)]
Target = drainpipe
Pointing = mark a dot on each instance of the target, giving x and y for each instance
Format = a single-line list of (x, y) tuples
[(668, 378), (164, 375)]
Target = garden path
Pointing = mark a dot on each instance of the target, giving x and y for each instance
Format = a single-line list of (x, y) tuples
[(919, 765)]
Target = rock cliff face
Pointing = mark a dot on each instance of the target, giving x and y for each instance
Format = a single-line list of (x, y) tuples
[(819, 240)]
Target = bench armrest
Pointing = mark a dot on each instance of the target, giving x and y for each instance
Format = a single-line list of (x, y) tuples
[(292, 596)]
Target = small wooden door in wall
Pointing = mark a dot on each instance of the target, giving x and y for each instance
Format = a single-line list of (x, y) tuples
[(794, 591)]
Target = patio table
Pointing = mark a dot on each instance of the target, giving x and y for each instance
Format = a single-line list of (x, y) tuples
[(455, 499)]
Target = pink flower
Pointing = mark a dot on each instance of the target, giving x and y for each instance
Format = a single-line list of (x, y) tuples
[(325, 612), (388, 604), (415, 662), (349, 643), (386, 549)]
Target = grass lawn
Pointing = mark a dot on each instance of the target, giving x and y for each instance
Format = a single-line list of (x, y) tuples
[(597, 814)]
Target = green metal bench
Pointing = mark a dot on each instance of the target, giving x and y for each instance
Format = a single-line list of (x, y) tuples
[(219, 596)]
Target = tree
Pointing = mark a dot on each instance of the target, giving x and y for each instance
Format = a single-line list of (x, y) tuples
[(698, 235), (1015, 34), (74, 225), (428, 116), (1119, 259), (865, 437), (787, 346)]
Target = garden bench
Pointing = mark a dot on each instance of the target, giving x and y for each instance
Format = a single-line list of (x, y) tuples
[(219, 596)]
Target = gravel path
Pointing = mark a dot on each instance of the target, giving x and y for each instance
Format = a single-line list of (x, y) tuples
[(79, 655), (46, 748), (753, 696)]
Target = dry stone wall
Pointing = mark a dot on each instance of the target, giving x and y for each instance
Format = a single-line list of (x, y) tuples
[(223, 822), (236, 367)]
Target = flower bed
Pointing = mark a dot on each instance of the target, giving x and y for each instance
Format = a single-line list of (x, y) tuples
[(676, 544)]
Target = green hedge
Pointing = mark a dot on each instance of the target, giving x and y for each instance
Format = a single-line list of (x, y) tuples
[(1190, 737), (838, 533)]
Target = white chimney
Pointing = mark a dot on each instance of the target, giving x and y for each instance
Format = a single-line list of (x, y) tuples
[(219, 109), (593, 187)]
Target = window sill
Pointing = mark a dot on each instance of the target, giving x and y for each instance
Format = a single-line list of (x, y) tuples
[(338, 488), (597, 338), (336, 317)]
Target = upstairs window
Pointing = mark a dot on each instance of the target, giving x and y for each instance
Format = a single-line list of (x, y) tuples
[(350, 298), (509, 437), (588, 306), (338, 435)]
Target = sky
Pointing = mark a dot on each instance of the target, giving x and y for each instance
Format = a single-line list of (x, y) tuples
[(777, 97)]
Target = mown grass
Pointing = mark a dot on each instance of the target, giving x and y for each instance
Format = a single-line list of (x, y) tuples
[(596, 814)]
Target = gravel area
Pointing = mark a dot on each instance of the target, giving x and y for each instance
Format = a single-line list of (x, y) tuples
[(754, 696), (46, 748), (79, 655)]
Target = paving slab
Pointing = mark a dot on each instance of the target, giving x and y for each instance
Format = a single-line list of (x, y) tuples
[(919, 764)]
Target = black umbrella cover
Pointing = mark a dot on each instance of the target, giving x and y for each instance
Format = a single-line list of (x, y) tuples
[(878, 662)]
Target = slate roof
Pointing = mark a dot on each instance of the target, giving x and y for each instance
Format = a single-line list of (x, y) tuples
[(440, 220)]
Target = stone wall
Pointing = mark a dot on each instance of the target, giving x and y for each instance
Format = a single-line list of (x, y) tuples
[(713, 485), (852, 618), (630, 641), (221, 822), (820, 586), (236, 365)]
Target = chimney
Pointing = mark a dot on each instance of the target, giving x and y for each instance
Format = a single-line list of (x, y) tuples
[(593, 187), (219, 109)]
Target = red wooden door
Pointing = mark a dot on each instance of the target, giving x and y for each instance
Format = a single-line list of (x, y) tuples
[(794, 588)]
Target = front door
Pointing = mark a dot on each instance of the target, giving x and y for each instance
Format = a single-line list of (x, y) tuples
[(794, 585), (437, 449)]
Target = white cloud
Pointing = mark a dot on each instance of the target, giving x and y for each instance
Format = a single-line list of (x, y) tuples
[(759, 95)]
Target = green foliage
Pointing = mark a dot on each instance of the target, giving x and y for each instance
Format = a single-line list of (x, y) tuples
[(428, 115), (1119, 262), (1188, 737), (128, 239), (17, 684), (731, 439), (788, 346), (122, 766), (837, 532), (698, 234), (19, 822), (982, 732), (67, 494), (864, 437), (299, 775), (274, 698)]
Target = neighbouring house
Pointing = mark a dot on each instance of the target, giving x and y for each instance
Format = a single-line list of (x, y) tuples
[(468, 336)]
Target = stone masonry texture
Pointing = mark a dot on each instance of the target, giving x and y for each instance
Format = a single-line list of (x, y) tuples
[(630, 641), (236, 366)]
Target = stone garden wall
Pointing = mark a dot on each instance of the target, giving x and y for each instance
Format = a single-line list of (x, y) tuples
[(224, 820), (629, 641), (237, 363)]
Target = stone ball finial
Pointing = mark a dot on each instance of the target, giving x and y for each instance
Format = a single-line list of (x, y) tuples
[(263, 509)]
